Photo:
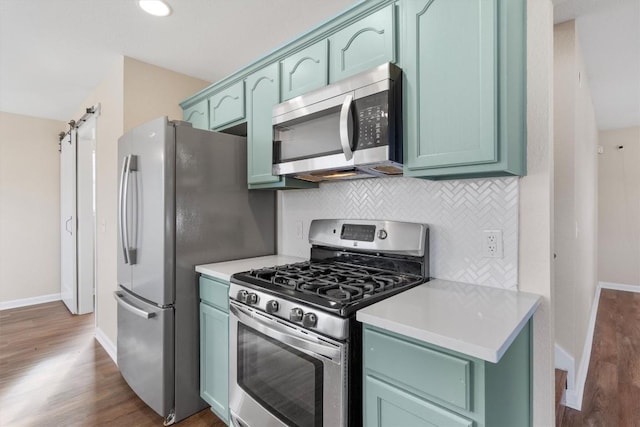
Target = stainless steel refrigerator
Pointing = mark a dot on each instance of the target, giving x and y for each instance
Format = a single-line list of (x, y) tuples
[(183, 201)]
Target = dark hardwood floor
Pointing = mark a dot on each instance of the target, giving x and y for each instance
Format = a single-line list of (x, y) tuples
[(612, 390), (54, 373)]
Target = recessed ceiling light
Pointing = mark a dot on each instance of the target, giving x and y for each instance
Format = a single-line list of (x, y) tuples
[(155, 7)]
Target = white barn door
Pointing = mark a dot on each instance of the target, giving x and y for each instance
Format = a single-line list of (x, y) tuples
[(68, 226)]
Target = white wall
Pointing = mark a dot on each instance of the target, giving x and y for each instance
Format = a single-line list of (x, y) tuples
[(576, 172), (151, 92), (29, 207), (457, 212), (109, 127), (619, 206), (535, 270), (132, 93)]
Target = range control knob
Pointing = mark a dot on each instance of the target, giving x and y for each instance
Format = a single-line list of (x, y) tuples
[(252, 299), (309, 320), (295, 315), (272, 306), (242, 296), (382, 234)]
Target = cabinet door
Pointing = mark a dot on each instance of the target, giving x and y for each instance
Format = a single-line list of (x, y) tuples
[(214, 359), (262, 94), (362, 45), (389, 406), (304, 71), (451, 83), (226, 106), (198, 115)]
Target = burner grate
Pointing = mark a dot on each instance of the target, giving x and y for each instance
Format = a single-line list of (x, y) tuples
[(334, 281)]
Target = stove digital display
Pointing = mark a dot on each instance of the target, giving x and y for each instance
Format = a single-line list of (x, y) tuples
[(363, 233)]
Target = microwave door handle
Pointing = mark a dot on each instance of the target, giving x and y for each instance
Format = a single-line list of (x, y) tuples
[(346, 133)]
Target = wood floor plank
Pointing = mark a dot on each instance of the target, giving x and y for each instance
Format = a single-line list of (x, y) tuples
[(561, 384), (612, 389), (54, 373)]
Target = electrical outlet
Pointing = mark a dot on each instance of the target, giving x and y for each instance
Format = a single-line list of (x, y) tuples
[(492, 243)]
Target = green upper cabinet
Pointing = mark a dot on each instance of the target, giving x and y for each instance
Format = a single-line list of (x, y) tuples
[(364, 44), (226, 106), (304, 71), (464, 91), (198, 115), (263, 92)]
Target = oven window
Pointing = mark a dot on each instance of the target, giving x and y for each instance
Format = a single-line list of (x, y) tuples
[(284, 380)]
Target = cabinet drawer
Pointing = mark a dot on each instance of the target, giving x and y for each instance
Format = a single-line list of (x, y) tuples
[(215, 292), (227, 106), (198, 115), (437, 374)]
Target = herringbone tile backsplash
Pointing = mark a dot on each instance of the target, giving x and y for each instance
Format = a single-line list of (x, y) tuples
[(457, 212)]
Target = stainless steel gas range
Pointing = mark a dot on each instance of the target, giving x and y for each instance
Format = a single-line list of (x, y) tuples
[(295, 346)]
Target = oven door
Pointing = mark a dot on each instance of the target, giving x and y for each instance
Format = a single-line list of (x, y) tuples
[(283, 375)]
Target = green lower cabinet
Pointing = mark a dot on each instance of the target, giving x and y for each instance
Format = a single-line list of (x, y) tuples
[(408, 382), (465, 88), (214, 346), (263, 92), (390, 406)]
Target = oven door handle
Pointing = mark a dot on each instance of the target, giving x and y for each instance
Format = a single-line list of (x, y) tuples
[(278, 332)]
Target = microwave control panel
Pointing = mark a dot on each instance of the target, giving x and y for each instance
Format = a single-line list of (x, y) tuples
[(373, 120)]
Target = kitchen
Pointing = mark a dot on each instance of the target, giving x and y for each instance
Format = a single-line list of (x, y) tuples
[(530, 258)]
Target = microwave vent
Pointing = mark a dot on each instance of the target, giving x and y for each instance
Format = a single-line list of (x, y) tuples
[(388, 169)]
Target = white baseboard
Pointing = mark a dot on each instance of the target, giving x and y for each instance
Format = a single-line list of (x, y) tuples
[(566, 362), (563, 360), (619, 286), (107, 344), (24, 302)]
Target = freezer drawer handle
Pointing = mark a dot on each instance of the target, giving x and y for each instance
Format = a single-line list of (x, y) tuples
[(135, 310)]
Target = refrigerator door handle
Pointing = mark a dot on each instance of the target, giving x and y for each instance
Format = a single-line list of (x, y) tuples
[(123, 206), (130, 308), (132, 166)]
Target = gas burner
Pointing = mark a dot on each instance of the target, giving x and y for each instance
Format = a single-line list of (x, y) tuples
[(263, 273), (340, 293), (368, 286), (312, 286), (285, 280)]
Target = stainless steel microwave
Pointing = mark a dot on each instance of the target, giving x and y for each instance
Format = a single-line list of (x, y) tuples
[(347, 130)]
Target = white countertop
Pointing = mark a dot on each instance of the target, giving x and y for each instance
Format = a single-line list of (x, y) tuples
[(224, 270), (479, 321)]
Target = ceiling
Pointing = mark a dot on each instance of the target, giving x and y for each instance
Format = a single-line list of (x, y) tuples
[(54, 52)]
